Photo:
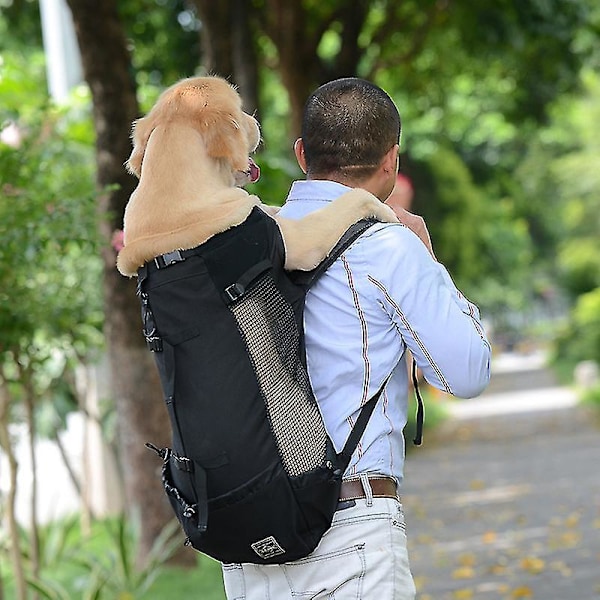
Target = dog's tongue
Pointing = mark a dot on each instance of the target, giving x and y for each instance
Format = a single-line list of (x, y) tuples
[(253, 171)]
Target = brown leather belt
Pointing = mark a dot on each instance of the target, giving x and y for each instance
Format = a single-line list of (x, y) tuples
[(383, 487)]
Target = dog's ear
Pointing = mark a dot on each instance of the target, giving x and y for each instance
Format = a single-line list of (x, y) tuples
[(214, 107), (216, 110), (140, 134), (226, 138)]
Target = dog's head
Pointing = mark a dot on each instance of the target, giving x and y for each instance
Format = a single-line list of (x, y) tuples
[(213, 107)]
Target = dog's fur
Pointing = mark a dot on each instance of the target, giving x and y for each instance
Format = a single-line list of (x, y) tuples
[(190, 152)]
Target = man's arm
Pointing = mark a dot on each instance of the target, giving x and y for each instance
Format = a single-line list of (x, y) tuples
[(438, 324)]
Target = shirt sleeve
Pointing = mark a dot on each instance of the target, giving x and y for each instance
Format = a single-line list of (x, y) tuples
[(440, 327)]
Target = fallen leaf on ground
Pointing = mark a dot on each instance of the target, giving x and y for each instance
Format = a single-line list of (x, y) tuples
[(489, 537), (497, 569), (467, 559), (522, 592), (533, 564), (561, 567), (465, 594), (465, 572)]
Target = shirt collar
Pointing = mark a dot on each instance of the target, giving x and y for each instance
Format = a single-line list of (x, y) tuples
[(317, 189)]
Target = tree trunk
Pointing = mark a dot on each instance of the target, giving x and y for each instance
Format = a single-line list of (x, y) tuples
[(228, 47), (217, 25), (245, 60), (13, 527), (140, 410), (285, 23), (297, 33), (25, 375)]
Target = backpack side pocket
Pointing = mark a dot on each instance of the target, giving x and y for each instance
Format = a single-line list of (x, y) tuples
[(184, 482)]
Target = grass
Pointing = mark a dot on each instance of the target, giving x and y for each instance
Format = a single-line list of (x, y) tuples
[(101, 566), (203, 582), (591, 397)]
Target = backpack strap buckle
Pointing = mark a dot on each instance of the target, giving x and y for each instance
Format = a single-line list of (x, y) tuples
[(235, 291), (169, 258)]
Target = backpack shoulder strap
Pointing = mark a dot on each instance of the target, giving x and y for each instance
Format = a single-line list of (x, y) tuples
[(359, 427), (308, 278)]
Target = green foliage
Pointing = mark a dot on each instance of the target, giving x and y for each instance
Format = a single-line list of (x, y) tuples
[(114, 573), (276, 174), (591, 397), (579, 339), (49, 248), (50, 268), (205, 581), (477, 237), (165, 45), (19, 23), (562, 180), (562, 168), (452, 207), (101, 566), (580, 264)]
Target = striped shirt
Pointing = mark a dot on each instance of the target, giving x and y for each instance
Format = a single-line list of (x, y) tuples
[(385, 295)]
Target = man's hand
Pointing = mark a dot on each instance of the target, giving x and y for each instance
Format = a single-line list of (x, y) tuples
[(414, 222)]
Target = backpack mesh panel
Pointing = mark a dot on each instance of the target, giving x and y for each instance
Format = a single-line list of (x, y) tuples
[(268, 327)]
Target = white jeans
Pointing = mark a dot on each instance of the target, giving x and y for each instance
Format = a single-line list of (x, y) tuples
[(363, 556)]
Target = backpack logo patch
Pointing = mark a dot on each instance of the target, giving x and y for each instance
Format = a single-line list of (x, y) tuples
[(267, 548)]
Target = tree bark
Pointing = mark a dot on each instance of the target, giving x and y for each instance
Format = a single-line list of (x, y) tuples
[(13, 527), (286, 24), (25, 375), (245, 59), (215, 36), (140, 410), (297, 33), (228, 47)]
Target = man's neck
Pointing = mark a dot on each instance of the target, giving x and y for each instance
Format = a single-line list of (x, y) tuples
[(369, 184)]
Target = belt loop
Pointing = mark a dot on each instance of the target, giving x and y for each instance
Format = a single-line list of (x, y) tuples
[(366, 485)]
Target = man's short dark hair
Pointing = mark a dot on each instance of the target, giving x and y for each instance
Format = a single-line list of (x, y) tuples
[(348, 126)]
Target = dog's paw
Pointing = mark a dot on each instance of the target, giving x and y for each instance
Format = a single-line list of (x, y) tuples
[(366, 204)]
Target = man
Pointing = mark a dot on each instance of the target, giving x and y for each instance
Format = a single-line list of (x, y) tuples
[(384, 296)]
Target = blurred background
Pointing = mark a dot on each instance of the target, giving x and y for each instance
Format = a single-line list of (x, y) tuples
[(500, 105)]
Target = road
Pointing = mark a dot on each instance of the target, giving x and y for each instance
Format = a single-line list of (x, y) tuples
[(503, 500)]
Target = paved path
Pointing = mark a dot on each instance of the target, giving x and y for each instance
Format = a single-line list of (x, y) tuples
[(503, 501)]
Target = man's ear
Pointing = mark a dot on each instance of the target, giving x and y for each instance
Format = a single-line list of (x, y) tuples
[(299, 152), (390, 159)]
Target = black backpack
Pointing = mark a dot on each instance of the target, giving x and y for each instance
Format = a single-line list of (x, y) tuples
[(252, 475)]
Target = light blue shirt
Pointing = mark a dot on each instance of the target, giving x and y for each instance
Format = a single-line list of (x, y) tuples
[(384, 295)]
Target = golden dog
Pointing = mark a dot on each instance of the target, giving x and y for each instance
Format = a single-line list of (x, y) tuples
[(191, 152)]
